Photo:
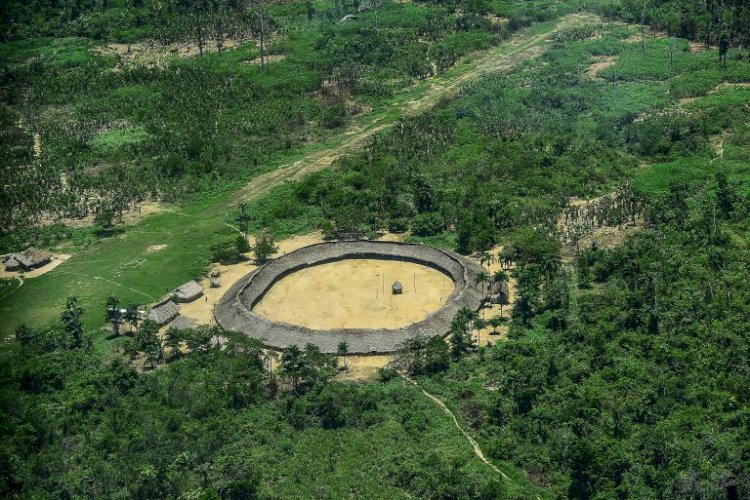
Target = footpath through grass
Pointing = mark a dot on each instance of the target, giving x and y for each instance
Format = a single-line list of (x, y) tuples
[(123, 265)]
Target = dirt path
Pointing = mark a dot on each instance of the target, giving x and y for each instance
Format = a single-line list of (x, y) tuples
[(153, 299), (502, 58), (477, 450)]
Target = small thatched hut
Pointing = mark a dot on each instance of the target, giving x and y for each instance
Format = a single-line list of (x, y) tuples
[(397, 289), (500, 293), (31, 258), (163, 312), (187, 292)]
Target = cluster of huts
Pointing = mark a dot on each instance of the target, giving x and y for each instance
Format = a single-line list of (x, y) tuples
[(29, 259), (168, 309)]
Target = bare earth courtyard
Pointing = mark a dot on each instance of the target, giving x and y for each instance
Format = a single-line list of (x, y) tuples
[(356, 294)]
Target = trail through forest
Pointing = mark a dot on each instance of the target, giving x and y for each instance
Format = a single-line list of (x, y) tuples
[(477, 450)]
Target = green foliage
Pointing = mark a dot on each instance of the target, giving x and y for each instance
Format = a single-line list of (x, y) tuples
[(264, 246), (421, 355)]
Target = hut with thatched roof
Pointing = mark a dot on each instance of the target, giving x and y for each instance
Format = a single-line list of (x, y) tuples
[(396, 288), (29, 259), (187, 292), (500, 293), (163, 312)]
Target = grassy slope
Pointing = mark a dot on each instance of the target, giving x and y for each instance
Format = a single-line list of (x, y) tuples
[(121, 265)]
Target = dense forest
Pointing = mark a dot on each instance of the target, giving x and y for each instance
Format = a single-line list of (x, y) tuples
[(626, 365)]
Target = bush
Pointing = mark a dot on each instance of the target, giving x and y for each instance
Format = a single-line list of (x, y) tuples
[(386, 374), (334, 116), (225, 253), (398, 225), (427, 224)]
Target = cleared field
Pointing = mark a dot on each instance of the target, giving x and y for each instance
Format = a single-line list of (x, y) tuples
[(356, 293)]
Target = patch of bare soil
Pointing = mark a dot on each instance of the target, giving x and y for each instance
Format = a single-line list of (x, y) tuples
[(587, 222), (155, 248), (490, 334), (600, 64), (362, 368), (144, 209), (697, 47), (267, 59), (356, 293), (129, 217), (729, 85), (636, 37), (153, 54), (57, 259), (716, 142), (497, 20)]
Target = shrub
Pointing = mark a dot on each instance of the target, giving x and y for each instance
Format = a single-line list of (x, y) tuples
[(427, 224)]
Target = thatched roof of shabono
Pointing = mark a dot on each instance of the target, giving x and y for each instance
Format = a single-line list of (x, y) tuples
[(28, 259), (234, 312), (163, 312), (187, 292)]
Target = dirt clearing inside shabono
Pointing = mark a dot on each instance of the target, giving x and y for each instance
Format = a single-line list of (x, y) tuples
[(356, 293)]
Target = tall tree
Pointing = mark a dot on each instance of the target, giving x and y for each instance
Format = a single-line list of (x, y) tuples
[(71, 318), (342, 350)]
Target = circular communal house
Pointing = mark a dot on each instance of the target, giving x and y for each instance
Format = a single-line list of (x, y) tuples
[(235, 310)]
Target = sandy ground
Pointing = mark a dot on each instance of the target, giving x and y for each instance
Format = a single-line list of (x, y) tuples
[(601, 63), (356, 294), (490, 335), (362, 367), (267, 59), (202, 309), (57, 259)]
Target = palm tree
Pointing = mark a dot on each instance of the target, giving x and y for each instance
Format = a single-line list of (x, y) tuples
[(132, 316), (342, 350), (498, 278), (487, 258), (293, 364), (113, 314), (172, 340), (479, 323), (481, 279)]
